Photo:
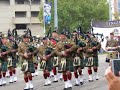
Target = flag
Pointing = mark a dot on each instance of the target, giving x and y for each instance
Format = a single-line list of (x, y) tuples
[(47, 12)]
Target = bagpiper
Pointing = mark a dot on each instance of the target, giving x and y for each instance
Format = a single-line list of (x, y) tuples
[(12, 56), (64, 50), (27, 51), (46, 64), (78, 58), (54, 39), (5, 50), (91, 56)]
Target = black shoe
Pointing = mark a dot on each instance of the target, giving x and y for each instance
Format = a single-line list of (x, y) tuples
[(69, 88), (76, 85), (61, 79), (65, 89), (81, 83), (45, 84), (26, 89), (97, 79), (49, 84), (90, 80), (4, 85), (10, 82), (55, 81)]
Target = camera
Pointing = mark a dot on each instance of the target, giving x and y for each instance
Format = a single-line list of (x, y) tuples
[(115, 64)]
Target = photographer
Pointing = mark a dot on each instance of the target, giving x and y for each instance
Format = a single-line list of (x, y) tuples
[(113, 81)]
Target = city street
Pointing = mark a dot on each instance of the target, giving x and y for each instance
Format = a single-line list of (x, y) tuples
[(38, 81)]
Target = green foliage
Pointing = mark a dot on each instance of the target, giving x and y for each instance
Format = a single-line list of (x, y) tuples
[(72, 12)]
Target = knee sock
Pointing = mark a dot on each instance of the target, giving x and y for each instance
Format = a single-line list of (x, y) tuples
[(89, 72), (75, 74), (65, 77)]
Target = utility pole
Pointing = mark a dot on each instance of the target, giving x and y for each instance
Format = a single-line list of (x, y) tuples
[(110, 10), (43, 1), (55, 15), (30, 12)]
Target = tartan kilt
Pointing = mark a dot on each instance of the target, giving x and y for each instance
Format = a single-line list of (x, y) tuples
[(4, 66), (95, 62), (14, 62), (49, 64), (31, 67), (0, 65), (81, 66), (69, 65)]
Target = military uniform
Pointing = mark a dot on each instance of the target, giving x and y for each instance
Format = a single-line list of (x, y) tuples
[(64, 50), (23, 48), (62, 46), (27, 52), (91, 54), (79, 61), (43, 52), (111, 45), (5, 50)]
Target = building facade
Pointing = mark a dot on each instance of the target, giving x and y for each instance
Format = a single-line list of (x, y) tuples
[(20, 14), (114, 9)]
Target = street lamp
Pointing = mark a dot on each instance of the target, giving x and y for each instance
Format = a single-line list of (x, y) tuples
[(55, 15), (30, 11)]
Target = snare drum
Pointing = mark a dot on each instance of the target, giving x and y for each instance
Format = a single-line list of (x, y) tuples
[(62, 65), (111, 54)]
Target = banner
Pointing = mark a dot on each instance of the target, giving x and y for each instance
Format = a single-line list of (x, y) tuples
[(47, 12), (105, 28), (106, 24)]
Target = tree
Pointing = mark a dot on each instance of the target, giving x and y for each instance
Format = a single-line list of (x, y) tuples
[(72, 12)]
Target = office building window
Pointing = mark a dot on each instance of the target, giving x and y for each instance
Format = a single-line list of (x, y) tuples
[(4, 2), (34, 14), (20, 14), (21, 26), (19, 1), (35, 1)]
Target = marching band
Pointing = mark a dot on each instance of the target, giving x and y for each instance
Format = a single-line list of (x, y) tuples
[(60, 54)]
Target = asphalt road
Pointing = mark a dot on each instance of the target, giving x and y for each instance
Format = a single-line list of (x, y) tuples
[(38, 81)]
